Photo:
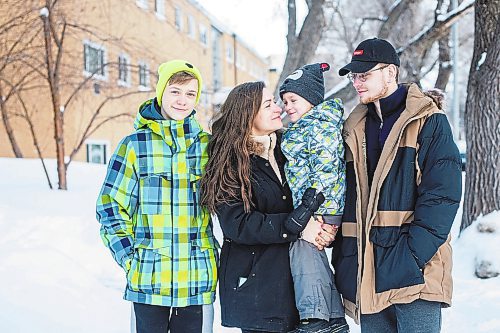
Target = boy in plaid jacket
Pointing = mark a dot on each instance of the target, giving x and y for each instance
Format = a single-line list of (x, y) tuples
[(314, 149), (149, 209)]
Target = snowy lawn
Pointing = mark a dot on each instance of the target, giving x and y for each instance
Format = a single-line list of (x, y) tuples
[(57, 276)]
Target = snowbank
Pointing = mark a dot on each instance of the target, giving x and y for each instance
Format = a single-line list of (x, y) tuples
[(56, 276)]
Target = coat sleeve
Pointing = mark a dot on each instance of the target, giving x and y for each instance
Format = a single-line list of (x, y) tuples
[(326, 166), (117, 203), (253, 228), (294, 147), (440, 189)]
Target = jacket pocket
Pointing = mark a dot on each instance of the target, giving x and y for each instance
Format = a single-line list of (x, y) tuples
[(150, 271), (395, 266), (155, 192), (202, 267)]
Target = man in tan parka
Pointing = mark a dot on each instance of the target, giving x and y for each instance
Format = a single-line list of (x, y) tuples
[(392, 257)]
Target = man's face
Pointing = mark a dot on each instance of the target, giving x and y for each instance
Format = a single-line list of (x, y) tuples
[(179, 100), (372, 85), (295, 106)]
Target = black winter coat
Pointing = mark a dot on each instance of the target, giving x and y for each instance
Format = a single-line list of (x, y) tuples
[(256, 287)]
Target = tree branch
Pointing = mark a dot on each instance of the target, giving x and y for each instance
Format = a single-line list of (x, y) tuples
[(89, 130)]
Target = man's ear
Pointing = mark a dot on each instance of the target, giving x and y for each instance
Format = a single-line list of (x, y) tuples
[(393, 72)]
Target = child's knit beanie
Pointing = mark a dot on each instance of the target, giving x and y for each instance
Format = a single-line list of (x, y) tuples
[(307, 82)]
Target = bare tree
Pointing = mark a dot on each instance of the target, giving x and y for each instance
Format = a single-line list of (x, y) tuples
[(302, 46), (482, 117), (415, 50), (16, 36), (55, 30), (34, 60), (444, 57)]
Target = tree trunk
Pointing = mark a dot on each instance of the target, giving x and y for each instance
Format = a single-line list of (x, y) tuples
[(482, 117), (444, 63), (8, 127), (301, 47), (52, 76)]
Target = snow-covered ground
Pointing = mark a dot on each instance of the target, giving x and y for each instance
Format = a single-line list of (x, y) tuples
[(57, 276)]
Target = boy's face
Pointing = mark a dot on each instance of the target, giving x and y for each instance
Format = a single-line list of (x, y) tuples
[(179, 100), (295, 106)]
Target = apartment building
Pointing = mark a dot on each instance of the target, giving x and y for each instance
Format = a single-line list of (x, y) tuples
[(112, 49)]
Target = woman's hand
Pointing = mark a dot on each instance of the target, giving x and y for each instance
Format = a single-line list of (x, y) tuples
[(326, 235), (311, 231)]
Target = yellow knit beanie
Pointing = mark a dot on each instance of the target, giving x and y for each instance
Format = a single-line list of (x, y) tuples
[(167, 69)]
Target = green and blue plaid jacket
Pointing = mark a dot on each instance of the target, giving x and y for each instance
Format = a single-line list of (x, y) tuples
[(314, 149), (150, 215)]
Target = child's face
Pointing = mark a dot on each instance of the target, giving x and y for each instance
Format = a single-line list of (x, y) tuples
[(179, 100), (295, 106)]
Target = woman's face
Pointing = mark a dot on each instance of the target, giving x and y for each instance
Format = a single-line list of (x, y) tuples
[(268, 118)]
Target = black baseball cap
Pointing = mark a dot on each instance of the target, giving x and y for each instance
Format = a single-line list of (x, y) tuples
[(368, 54)]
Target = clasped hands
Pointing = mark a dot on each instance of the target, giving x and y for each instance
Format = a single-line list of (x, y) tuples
[(318, 233)]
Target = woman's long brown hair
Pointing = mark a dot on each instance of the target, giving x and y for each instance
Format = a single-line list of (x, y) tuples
[(227, 175)]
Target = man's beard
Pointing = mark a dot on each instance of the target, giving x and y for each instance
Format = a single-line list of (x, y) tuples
[(379, 95)]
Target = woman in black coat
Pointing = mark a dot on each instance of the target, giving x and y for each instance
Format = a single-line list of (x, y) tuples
[(245, 186)]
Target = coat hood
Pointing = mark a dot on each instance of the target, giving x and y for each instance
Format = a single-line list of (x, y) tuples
[(330, 111)]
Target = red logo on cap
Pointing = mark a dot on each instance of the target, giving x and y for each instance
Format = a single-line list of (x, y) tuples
[(358, 52)]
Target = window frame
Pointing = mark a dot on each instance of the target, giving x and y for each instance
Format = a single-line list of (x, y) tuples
[(191, 26), (160, 9), (103, 75), (203, 31), (178, 18), (103, 155), (144, 65), (128, 63)]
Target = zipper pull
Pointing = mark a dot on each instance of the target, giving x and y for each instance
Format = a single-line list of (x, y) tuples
[(381, 124)]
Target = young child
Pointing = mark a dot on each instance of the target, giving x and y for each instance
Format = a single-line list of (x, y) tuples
[(313, 146), (149, 210)]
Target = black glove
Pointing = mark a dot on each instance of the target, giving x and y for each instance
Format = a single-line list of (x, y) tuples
[(298, 218)]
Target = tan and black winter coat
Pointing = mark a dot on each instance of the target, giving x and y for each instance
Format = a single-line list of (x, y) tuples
[(394, 245)]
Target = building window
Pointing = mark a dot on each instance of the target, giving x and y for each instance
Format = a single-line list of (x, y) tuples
[(203, 35), (123, 70), (241, 61), (160, 9), (143, 75), (97, 152), (178, 18), (142, 4), (191, 32), (94, 59), (229, 53)]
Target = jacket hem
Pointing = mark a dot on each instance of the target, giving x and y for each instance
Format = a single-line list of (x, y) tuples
[(138, 297)]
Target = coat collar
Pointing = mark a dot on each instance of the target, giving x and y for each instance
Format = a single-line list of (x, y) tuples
[(184, 132)]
